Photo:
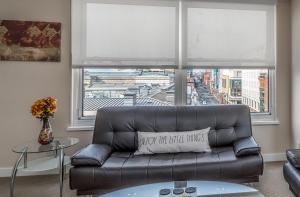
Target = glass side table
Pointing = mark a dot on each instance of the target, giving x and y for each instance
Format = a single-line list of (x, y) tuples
[(43, 164)]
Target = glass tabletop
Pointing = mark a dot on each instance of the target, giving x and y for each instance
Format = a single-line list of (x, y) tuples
[(204, 188), (35, 147)]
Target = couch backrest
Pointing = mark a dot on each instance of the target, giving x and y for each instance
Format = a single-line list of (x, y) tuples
[(118, 126)]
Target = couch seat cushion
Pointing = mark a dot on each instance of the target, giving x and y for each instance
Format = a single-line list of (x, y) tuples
[(122, 169)]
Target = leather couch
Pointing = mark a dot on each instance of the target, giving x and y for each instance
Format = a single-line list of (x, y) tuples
[(291, 170), (109, 164)]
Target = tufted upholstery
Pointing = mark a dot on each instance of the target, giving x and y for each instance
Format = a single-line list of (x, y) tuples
[(117, 126), (291, 170), (98, 169)]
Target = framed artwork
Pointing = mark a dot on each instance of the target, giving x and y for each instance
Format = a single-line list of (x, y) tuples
[(30, 41)]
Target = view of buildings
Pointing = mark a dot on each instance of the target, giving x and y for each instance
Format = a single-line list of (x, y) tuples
[(156, 87), (229, 86), (121, 87)]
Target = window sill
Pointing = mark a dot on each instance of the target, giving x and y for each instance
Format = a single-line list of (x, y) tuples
[(265, 122), (254, 123), (80, 128)]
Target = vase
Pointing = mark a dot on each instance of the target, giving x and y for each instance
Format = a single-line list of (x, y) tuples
[(46, 135)]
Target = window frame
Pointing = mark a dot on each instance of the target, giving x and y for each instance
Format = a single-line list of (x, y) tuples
[(78, 121)]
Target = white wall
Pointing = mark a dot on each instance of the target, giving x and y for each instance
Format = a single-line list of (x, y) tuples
[(276, 138), (295, 10), (23, 82)]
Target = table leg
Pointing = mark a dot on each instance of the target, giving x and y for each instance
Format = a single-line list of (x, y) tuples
[(15, 169), (57, 145), (25, 159), (65, 171), (61, 171)]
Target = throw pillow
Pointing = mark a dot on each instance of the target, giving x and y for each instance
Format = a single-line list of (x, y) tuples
[(173, 142)]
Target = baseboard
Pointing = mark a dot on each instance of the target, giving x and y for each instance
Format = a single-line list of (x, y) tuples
[(272, 157), (6, 172)]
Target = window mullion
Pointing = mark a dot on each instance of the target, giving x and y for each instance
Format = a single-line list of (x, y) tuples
[(180, 87)]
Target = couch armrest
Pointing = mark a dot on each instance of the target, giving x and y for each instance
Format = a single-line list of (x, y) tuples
[(246, 146), (293, 156), (92, 155)]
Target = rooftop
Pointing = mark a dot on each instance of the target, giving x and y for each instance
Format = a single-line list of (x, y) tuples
[(93, 104)]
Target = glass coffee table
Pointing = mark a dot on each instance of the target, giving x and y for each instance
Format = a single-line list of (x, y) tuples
[(204, 188), (45, 163)]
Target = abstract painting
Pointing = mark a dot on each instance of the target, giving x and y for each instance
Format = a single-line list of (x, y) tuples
[(30, 41)]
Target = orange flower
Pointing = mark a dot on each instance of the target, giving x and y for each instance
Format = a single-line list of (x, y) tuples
[(44, 108)]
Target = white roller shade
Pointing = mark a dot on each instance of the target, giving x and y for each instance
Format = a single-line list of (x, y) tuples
[(171, 33), (229, 34), (124, 33)]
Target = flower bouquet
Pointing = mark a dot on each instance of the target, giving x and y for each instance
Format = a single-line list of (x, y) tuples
[(43, 109)]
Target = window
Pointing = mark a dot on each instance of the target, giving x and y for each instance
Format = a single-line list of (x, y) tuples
[(204, 88), (224, 83), (166, 52)]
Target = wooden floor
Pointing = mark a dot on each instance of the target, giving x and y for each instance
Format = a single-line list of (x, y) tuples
[(271, 184)]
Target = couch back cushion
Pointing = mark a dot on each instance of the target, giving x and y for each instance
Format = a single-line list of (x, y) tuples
[(118, 126)]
